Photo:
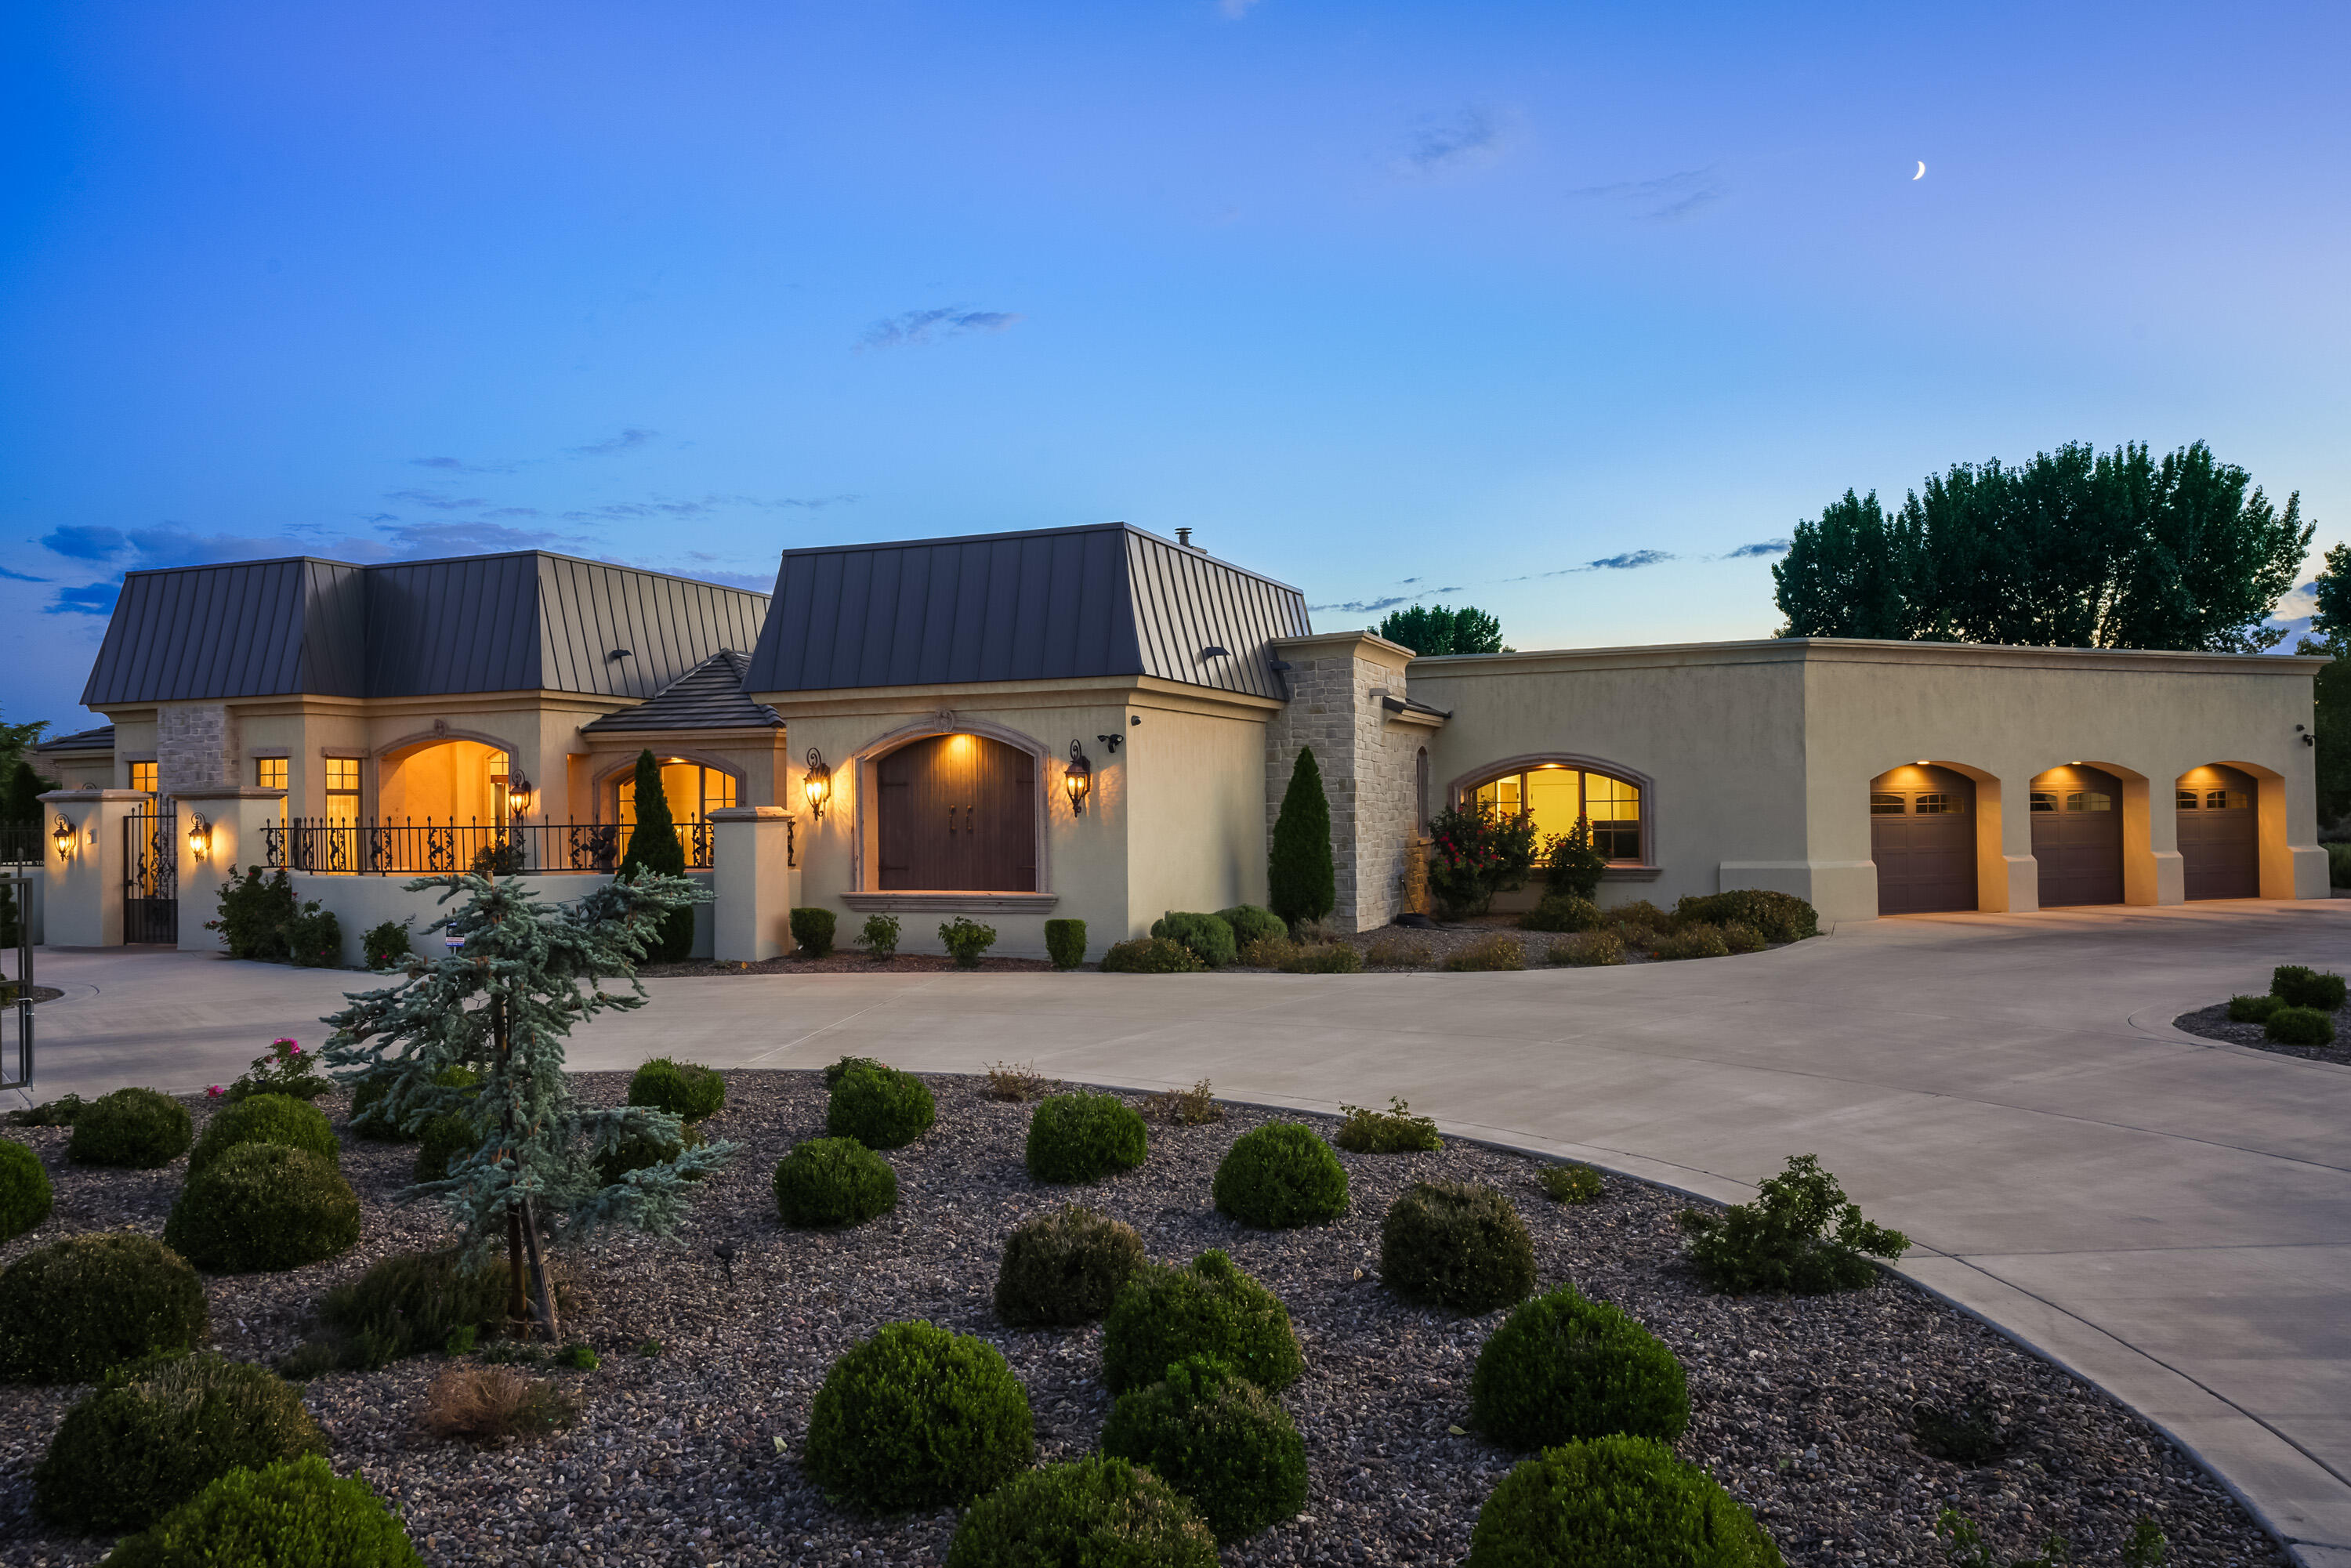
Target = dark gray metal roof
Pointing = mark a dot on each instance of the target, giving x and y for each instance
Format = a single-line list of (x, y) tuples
[(521, 622), (1104, 599), (708, 696), (98, 739)]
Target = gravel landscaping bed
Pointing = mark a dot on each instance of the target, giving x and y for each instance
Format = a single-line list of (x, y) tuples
[(1801, 1404), (840, 961), (2213, 1023)]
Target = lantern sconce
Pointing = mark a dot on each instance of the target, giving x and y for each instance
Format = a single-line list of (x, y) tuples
[(1078, 779), (200, 835), (815, 784), (519, 795), (62, 835)]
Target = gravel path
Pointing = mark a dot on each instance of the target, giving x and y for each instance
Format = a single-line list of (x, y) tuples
[(1801, 1404), (2213, 1023)]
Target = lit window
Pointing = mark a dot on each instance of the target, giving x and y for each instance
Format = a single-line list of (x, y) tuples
[(2045, 800), (692, 790), (342, 789), (1555, 795), (1881, 805), (143, 777), (1939, 805), (2187, 800), (269, 772), (2087, 800), (2227, 801)]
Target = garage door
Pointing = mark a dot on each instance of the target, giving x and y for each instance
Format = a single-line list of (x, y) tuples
[(2219, 852), (1922, 834), (2077, 836)]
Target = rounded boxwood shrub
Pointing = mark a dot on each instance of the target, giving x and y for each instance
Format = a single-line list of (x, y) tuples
[(2300, 1026), (1150, 955), (2299, 987), (1218, 1439), (834, 1181), (918, 1418), (1775, 916), (263, 1206), (1252, 923), (1458, 1245), (812, 930), (1562, 1368), (880, 1106), (444, 1138), (365, 1121), (296, 1514), (1209, 939), (267, 1119), (1084, 1137), (71, 1311), (2253, 1009), (1563, 911), (158, 1431), (1100, 1512), (638, 1151), (1280, 1176), (687, 1089), (1065, 942), (25, 1196), (1064, 1268), (1164, 1314), (1624, 1501), (141, 1128)]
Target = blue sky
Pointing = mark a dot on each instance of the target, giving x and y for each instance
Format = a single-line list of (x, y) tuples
[(1559, 309)]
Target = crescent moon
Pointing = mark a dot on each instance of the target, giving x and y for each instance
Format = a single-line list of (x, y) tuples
[(1922, 169)]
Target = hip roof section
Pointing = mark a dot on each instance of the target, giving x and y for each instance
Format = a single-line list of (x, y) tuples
[(708, 696)]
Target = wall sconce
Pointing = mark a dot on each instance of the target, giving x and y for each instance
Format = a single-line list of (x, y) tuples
[(200, 835), (62, 835), (1078, 779), (518, 794), (815, 784)]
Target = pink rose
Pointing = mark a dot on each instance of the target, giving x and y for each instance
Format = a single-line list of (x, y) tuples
[(213, 1092)]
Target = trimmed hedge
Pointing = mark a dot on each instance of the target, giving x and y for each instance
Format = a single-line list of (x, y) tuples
[(1458, 1245), (1279, 1177), (1626, 1502), (73, 1309), (1065, 942), (139, 1128), (1588, 949), (1211, 1308), (1065, 1268), (1692, 942), (880, 1106), (1563, 911), (25, 1196), (918, 1418), (1252, 923), (296, 1514), (1777, 917), (835, 1072), (2300, 1026), (687, 1089), (2301, 987), (263, 1206), (2253, 1009), (1150, 955), (834, 1181), (1093, 1512), (266, 1118), (1562, 1367), (812, 931), (1083, 1137), (1218, 1439), (157, 1432), (1211, 940), (1322, 958)]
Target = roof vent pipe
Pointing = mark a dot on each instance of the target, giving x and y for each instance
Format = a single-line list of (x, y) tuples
[(1184, 537)]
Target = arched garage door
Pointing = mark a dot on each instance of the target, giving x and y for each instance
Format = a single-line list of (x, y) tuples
[(2077, 836), (1922, 834), (2219, 841)]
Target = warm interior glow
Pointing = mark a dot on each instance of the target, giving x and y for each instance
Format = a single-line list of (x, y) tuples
[(1555, 794), (440, 781)]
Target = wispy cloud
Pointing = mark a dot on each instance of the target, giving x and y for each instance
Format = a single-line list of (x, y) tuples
[(19, 577), (1631, 560), (439, 502), (1472, 137), (78, 543), (1365, 606), (416, 539), (459, 466), (911, 328), (1760, 547), (629, 440), (1665, 199), (92, 599), (665, 507)]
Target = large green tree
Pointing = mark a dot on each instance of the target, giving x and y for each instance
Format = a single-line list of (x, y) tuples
[(654, 846), (1433, 629), (21, 784), (2330, 621), (2075, 548)]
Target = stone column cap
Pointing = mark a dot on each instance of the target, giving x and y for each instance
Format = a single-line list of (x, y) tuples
[(230, 792), (749, 814), (83, 796)]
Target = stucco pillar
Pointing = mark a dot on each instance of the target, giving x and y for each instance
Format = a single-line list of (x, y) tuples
[(236, 819), (1337, 682), (81, 900), (756, 883), (2008, 879), (2153, 871)]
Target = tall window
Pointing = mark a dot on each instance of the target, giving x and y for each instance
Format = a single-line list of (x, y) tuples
[(1554, 795), (692, 791), (342, 789), (143, 777)]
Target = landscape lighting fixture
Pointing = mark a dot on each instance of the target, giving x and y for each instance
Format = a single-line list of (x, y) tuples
[(815, 784), (1078, 779)]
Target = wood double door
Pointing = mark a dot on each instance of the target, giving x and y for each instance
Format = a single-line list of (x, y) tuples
[(958, 813)]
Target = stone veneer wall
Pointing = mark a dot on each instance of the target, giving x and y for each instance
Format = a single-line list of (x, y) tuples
[(1335, 686), (195, 747)]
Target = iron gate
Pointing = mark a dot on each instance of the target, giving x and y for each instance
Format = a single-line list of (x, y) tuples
[(151, 878)]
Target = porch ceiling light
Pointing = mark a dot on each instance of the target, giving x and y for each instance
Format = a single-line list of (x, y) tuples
[(1078, 779), (200, 835), (815, 784), (62, 835)]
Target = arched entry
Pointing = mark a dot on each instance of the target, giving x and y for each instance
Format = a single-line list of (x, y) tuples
[(956, 812), (1922, 834), (2077, 835), (2220, 833), (455, 780)]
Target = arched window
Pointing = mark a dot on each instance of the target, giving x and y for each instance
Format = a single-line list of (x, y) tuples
[(1555, 794), (693, 790), (956, 812)]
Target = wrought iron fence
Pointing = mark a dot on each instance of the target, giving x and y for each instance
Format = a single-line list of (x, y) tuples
[(21, 843), (423, 848)]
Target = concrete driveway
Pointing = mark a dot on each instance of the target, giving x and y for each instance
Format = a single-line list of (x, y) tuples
[(2167, 1215)]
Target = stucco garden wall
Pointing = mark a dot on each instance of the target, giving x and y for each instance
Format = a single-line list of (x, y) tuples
[(1195, 832), (361, 902)]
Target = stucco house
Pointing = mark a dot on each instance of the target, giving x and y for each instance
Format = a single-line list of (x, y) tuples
[(1099, 722)]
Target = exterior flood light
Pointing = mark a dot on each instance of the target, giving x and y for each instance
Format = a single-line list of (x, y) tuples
[(815, 784), (1078, 779), (62, 835), (200, 835)]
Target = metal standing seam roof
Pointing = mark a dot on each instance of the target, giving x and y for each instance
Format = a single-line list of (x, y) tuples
[(708, 696), (523, 621), (1054, 603), (98, 739)]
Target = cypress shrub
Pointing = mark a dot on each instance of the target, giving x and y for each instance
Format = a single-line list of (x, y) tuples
[(917, 1417), (2300, 988), (1562, 1368), (2300, 1026), (1563, 911), (1209, 939), (1083, 1137), (1253, 923), (158, 1432), (1626, 1502), (1218, 1439), (25, 1196), (812, 930), (880, 1106), (267, 1119), (263, 1206), (654, 846), (1065, 1268), (139, 1128), (446, 1137), (1302, 879), (1096, 1512), (74, 1308), (834, 1181), (1777, 917), (687, 1089), (1150, 955), (1163, 1314), (2253, 1009), (294, 1513), (1279, 1177), (1065, 941), (1458, 1245)]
